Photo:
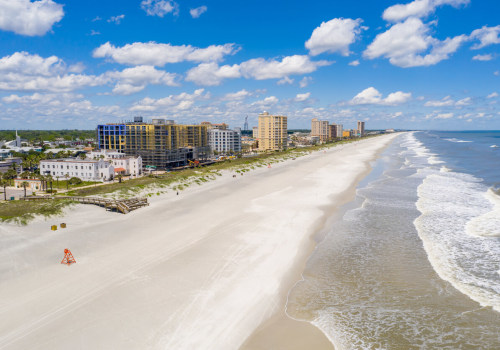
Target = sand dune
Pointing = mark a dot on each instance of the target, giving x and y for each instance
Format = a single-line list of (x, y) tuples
[(200, 270)]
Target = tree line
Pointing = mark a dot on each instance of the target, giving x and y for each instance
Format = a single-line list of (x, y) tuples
[(37, 136)]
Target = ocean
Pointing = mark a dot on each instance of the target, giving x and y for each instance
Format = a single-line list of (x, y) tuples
[(414, 261)]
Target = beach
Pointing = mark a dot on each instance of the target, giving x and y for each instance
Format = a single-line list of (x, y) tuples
[(209, 268)]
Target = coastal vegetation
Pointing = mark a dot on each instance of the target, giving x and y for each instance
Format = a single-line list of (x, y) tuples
[(22, 212), (35, 136), (150, 185)]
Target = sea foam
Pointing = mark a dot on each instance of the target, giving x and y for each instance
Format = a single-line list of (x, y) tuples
[(459, 226)]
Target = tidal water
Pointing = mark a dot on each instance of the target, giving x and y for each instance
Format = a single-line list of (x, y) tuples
[(414, 261)]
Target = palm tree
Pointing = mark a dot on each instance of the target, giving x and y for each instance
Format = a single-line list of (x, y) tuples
[(10, 174), (25, 184), (43, 183), (67, 181), (49, 179), (25, 175), (4, 182)]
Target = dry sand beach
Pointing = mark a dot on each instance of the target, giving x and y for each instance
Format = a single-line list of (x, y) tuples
[(208, 269)]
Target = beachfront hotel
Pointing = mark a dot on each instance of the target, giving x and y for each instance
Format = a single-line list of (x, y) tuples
[(85, 169), (224, 140), (324, 131), (123, 164), (319, 128), (161, 143), (273, 133)]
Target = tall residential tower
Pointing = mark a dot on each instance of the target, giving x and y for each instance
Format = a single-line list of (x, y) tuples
[(273, 133)]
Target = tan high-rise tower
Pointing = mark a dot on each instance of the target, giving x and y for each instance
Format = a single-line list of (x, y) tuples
[(319, 128), (272, 132)]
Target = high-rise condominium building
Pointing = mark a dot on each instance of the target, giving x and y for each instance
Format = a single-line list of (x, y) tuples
[(255, 132), (319, 128), (361, 128), (272, 132), (224, 140), (332, 131), (340, 130)]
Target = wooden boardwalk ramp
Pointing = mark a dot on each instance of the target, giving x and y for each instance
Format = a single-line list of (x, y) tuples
[(124, 206)]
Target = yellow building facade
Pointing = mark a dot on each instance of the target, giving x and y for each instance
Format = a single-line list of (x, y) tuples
[(273, 133)]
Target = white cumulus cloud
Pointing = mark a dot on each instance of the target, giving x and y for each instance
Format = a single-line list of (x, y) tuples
[(405, 45), (446, 101), (354, 63), (237, 96), (492, 95), (197, 12), (135, 79), (29, 18), (486, 36), (464, 102), (305, 81), (417, 8), (171, 103), (116, 19), (373, 96), (487, 57), (334, 36), (211, 74), (160, 7), (302, 97), (260, 68), (444, 116), (24, 72), (157, 54)]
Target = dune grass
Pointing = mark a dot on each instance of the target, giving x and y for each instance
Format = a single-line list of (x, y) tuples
[(21, 211)]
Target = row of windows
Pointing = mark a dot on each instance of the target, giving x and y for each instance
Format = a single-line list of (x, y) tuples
[(47, 166)]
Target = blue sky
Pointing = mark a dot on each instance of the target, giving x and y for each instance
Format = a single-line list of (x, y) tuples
[(422, 64)]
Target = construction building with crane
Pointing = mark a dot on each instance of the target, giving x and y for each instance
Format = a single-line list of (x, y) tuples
[(161, 144)]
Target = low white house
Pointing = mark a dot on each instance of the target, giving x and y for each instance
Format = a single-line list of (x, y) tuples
[(85, 169), (125, 165)]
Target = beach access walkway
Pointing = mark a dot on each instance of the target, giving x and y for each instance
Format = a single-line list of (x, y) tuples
[(124, 206)]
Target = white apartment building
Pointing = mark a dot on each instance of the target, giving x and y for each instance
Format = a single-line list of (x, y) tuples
[(85, 169), (125, 165), (340, 130), (224, 141)]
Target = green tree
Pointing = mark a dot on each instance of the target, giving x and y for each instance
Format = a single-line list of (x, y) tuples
[(75, 181), (49, 178), (67, 182), (43, 182), (10, 174), (25, 175), (25, 184), (4, 182)]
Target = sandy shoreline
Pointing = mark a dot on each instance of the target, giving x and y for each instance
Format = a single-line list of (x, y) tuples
[(199, 270), (282, 331)]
